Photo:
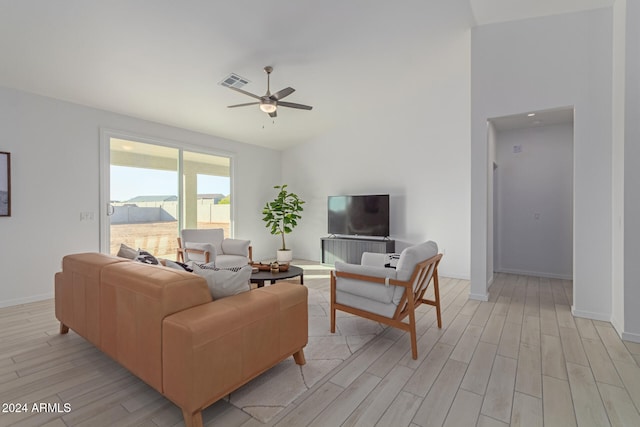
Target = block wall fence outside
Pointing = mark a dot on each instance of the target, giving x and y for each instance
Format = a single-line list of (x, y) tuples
[(167, 211)]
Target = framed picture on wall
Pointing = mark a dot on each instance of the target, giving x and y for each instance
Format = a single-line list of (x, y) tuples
[(5, 184)]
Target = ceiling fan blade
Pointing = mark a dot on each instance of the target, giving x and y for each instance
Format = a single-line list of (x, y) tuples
[(274, 114), (243, 105), (282, 93), (292, 105), (245, 92)]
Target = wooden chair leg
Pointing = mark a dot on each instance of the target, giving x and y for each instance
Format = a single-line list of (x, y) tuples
[(333, 307), (63, 328), (298, 356), (412, 332), (192, 420), (436, 291), (333, 319)]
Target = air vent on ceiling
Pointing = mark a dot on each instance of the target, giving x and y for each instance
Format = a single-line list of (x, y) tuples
[(234, 80)]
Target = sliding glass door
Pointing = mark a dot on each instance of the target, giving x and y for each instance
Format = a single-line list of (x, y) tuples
[(207, 188), (153, 191)]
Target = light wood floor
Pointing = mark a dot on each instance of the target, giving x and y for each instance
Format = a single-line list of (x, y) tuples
[(519, 359)]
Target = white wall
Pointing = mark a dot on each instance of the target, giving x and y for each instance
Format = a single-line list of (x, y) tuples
[(54, 154), (617, 195), (414, 145), (538, 64), (632, 176), (492, 243), (535, 201)]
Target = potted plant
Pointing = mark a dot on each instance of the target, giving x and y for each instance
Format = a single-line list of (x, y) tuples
[(281, 216)]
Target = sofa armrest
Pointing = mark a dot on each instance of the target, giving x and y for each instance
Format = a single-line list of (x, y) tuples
[(210, 350)]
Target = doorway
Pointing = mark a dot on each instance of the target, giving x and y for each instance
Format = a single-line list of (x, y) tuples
[(532, 183)]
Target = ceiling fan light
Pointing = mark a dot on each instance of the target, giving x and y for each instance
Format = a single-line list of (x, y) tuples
[(268, 106)]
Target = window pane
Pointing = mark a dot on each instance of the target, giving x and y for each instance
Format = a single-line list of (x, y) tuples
[(144, 197), (207, 186)]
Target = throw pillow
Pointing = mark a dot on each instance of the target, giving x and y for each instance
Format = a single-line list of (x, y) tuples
[(127, 252), (211, 266), (224, 283), (176, 265), (391, 260), (236, 247), (146, 258)]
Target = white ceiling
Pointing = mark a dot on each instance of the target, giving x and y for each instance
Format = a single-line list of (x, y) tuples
[(492, 11), (161, 60), (555, 116)]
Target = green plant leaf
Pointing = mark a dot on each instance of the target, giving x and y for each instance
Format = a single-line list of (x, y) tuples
[(281, 215)]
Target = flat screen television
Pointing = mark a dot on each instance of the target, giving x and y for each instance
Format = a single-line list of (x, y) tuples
[(363, 215)]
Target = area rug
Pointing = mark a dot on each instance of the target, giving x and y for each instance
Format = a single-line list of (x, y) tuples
[(265, 396)]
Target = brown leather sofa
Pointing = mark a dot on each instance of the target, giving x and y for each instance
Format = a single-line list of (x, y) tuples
[(162, 325)]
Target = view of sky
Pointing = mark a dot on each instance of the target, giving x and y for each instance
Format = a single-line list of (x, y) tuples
[(128, 182)]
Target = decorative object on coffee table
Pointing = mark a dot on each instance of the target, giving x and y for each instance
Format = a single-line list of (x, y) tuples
[(261, 267), (275, 267), (258, 266), (281, 216)]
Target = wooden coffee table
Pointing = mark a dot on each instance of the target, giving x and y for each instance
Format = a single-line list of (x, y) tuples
[(262, 276)]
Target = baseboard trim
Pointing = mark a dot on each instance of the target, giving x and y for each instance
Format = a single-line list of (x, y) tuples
[(20, 301), (617, 325), (535, 273), (479, 297), (604, 317), (628, 336)]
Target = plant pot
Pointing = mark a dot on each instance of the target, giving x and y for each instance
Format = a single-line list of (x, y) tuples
[(284, 256)]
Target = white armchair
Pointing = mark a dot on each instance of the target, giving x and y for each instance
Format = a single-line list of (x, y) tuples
[(210, 246), (378, 293)]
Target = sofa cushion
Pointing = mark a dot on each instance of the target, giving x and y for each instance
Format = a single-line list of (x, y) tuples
[(366, 304), (235, 247), (215, 236), (412, 256), (224, 283), (408, 260), (373, 291), (127, 252)]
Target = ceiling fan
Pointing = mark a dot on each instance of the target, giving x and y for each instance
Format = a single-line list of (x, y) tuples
[(269, 102)]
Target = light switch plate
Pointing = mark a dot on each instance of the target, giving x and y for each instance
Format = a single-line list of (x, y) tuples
[(87, 216)]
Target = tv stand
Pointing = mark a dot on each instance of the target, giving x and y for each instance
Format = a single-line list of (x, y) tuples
[(350, 249)]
